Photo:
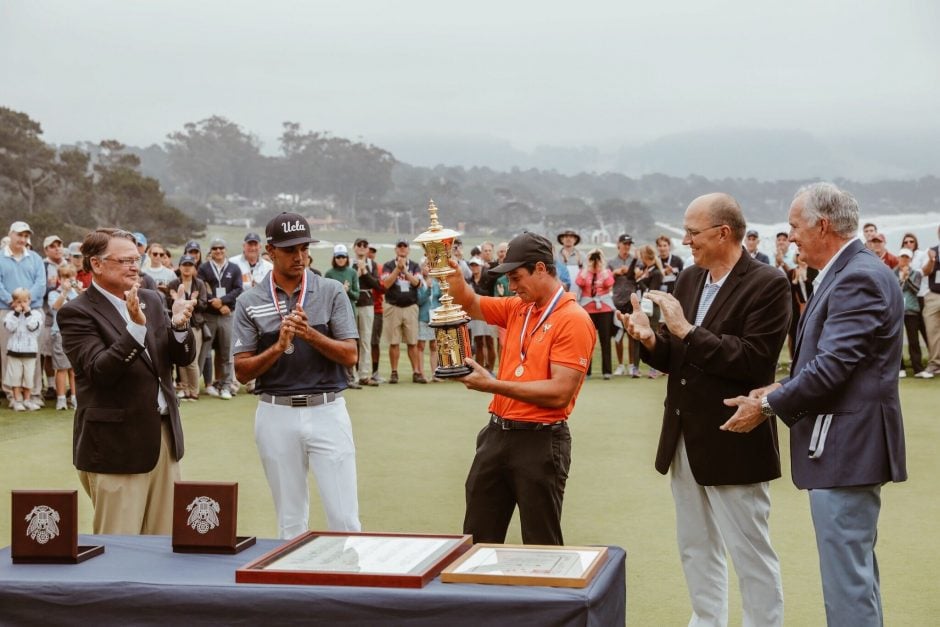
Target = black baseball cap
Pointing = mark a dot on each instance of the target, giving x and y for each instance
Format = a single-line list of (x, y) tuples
[(752, 233), (288, 229), (192, 245), (525, 248), (252, 237), (625, 239)]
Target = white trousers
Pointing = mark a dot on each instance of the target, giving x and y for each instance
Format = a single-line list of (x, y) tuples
[(290, 441), (711, 520)]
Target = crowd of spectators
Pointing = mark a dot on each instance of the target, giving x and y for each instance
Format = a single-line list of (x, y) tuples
[(392, 300)]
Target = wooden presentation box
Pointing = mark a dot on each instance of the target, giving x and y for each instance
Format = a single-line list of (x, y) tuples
[(388, 560), (205, 518), (44, 528), (527, 565)]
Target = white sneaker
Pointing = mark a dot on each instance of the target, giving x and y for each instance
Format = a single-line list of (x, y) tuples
[(902, 374), (181, 394), (619, 371), (17, 406), (32, 405), (924, 374), (213, 391), (73, 403), (61, 403), (225, 394)]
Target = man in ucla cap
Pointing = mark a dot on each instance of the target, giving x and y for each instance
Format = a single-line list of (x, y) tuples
[(524, 451), (295, 335)]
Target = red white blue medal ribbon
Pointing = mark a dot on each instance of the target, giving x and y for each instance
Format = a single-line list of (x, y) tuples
[(300, 301), (525, 325)]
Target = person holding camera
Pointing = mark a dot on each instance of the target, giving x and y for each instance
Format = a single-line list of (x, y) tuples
[(595, 282)]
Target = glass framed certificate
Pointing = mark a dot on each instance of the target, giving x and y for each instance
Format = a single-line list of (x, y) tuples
[(527, 565), (393, 560)]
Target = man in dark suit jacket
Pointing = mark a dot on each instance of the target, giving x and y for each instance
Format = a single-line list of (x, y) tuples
[(751, 242), (127, 437), (841, 399), (726, 323)]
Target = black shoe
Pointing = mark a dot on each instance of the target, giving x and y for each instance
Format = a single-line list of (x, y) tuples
[(418, 378), (393, 378), (49, 394)]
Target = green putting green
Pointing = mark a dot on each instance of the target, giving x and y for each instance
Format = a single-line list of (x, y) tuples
[(415, 443)]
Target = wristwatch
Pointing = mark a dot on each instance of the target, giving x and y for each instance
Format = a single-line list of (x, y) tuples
[(179, 327), (765, 408)]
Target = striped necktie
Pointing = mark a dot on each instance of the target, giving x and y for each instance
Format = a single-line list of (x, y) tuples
[(707, 297)]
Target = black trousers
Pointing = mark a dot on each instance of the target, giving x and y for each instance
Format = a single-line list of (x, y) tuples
[(518, 467), (912, 323), (604, 323)]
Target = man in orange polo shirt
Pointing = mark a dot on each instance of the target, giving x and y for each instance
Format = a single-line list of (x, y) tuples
[(524, 452)]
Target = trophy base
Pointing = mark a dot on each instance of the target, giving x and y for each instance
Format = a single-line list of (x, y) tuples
[(454, 372)]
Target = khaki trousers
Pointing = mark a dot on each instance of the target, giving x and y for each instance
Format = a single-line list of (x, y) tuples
[(189, 375), (931, 315), (135, 504)]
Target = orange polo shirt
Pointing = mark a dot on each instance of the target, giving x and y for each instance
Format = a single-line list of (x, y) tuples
[(566, 338)]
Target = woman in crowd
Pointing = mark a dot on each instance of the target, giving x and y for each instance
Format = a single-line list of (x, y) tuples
[(801, 288), (594, 283), (349, 278), (910, 278), (650, 278), (193, 288)]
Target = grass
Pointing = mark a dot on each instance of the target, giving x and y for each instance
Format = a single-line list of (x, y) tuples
[(415, 444)]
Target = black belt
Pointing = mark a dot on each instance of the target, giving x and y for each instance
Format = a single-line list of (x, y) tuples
[(302, 400), (506, 425)]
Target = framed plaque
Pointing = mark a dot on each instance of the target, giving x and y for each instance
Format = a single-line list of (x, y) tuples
[(205, 516), (45, 528), (387, 560), (527, 565)]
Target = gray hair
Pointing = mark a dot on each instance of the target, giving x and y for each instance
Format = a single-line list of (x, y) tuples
[(825, 200)]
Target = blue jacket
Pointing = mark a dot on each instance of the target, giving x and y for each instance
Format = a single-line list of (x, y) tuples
[(231, 281), (28, 272), (845, 365)]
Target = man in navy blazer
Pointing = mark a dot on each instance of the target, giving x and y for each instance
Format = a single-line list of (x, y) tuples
[(841, 399)]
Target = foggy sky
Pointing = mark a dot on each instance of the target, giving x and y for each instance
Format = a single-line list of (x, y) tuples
[(531, 72)]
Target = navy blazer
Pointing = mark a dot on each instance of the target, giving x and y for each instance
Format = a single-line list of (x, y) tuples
[(845, 363), (117, 424), (733, 351)]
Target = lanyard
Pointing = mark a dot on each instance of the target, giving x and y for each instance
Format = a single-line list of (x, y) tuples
[(218, 271), (548, 311), (300, 299)]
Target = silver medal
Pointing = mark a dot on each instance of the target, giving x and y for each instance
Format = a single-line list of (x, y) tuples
[(290, 349)]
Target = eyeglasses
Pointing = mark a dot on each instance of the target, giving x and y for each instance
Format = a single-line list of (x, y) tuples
[(908, 241), (362, 244), (127, 262), (217, 248), (158, 254), (692, 233), (340, 257)]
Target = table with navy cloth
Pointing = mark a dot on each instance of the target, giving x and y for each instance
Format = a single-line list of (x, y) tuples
[(140, 581)]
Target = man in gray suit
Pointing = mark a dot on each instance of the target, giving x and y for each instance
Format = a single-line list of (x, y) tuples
[(841, 399)]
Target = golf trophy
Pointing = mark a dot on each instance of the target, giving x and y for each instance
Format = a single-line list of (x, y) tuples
[(449, 321)]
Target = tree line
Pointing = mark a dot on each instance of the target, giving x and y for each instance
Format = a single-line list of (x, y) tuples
[(214, 169)]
